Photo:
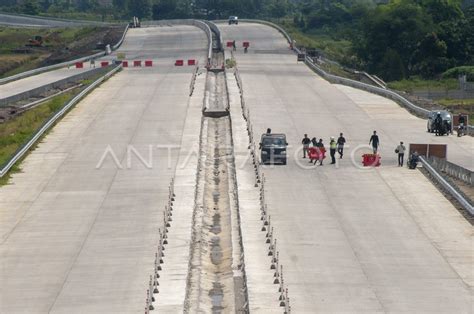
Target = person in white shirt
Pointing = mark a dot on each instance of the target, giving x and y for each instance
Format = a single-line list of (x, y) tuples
[(400, 150)]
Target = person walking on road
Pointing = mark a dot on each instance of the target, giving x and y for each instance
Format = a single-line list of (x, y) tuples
[(438, 122), (462, 123), (400, 150), (332, 149), (321, 151), (305, 141), (374, 140), (340, 145), (234, 47)]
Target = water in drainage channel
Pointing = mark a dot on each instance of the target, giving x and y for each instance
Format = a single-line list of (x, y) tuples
[(214, 285)]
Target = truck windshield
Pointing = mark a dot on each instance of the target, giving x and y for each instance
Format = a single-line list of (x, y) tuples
[(273, 141)]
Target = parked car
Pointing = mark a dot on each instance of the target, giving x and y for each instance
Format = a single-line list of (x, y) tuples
[(273, 148), (445, 115), (233, 20)]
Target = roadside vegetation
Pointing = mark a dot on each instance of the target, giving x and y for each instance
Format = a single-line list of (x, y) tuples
[(416, 83), (17, 54), (411, 44), (16, 132)]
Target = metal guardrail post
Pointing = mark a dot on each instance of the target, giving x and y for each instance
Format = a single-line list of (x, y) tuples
[(447, 186), (22, 151)]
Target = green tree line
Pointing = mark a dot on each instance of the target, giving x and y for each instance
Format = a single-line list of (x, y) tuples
[(395, 39)]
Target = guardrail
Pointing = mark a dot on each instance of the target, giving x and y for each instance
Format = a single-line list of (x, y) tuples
[(60, 65), (22, 150), (117, 45), (217, 31), (448, 187), (352, 83), (452, 169), (344, 81), (41, 89), (200, 24)]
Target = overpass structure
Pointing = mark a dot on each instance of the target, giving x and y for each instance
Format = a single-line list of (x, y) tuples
[(79, 224)]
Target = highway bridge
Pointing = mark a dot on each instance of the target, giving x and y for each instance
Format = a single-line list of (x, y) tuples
[(135, 184)]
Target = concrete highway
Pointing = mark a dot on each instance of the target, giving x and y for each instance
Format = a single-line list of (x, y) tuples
[(352, 240), (78, 236), (31, 82), (138, 47), (79, 224)]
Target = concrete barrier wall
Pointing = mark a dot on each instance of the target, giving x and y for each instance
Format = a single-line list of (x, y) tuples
[(217, 31), (42, 89), (452, 170), (62, 64)]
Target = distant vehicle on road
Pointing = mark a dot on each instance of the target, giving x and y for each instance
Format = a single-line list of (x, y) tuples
[(273, 148), (445, 115), (233, 20)]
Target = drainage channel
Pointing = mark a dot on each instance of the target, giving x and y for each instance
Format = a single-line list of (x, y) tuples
[(216, 278)]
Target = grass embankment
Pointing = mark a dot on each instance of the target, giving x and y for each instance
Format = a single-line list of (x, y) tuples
[(320, 42), (16, 132), (455, 106), (414, 84), (84, 16), (339, 50), (58, 44)]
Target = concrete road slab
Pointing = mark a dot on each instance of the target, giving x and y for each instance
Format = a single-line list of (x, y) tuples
[(31, 82), (86, 237), (353, 240)]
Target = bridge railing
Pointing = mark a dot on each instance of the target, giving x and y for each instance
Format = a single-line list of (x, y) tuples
[(452, 170), (447, 186)]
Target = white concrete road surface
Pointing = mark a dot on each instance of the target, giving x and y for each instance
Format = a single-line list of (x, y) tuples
[(76, 239), (31, 82), (143, 44), (353, 240)]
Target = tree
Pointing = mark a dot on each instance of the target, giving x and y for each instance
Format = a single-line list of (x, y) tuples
[(119, 5), (430, 56), (398, 26), (442, 10), (44, 5), (469, 34), (164, 9), (391, 67), (139, 8), (30, 7), (278, 8)]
